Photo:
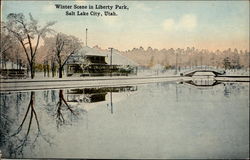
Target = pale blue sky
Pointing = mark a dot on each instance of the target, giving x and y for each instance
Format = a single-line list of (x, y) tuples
[(163, 24)]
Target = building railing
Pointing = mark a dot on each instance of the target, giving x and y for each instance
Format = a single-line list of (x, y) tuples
[(13, 73)]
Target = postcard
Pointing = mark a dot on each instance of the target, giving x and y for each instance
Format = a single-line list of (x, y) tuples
[(124, 79)]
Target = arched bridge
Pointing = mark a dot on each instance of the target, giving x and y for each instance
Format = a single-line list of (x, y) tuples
[(216, 72)]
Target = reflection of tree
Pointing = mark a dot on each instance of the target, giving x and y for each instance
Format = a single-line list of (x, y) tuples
[(5, 122), (19, 141), (62, 106), (46, 96), (32, 114), (19, 98), (53, 95), (226, 91)]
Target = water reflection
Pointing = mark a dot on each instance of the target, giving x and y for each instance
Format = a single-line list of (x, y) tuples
[(22, 136), (64, 109), (203, 82), (93, 95), (42, 124), (231, 88), (20, 127), (87, 96)]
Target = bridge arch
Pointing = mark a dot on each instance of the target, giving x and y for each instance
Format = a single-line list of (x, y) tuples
[(190, 73)]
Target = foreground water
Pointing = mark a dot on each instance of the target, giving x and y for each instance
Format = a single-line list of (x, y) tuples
[(158, 120)]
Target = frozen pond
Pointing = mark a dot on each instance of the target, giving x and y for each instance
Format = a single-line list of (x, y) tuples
[(157, 120)]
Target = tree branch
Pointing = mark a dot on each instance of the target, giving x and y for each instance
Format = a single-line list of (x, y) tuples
[(25, 50), (31, 49), (67, 59), (37, 43), (19, 38)]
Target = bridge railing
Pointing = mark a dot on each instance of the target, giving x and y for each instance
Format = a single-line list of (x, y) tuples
[(203, 68)]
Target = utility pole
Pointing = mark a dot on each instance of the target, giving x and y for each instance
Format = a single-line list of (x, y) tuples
[(111, 49), (111, 102), (201, 59), (176, 62), (86, 37)]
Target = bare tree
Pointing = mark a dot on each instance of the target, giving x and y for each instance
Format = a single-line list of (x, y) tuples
[(28, 34), (62, 106), (60, 48), (65, 46), (7, 43)]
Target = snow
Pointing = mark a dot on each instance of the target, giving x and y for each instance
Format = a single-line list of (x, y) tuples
[(77, 82), (240, 72)]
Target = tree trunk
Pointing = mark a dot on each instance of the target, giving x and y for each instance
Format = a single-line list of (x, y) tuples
[(47, 69), (60, 69), (53, 72), (32, 74), (32, 70), (44, 70), (52, 68)]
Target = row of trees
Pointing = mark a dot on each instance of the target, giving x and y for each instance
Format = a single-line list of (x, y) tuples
[(20, 35), (228, 59), (59, 48)]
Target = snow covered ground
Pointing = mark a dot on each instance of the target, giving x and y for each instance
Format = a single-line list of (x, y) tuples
[(37, 84), (240, 72), (143, 76)]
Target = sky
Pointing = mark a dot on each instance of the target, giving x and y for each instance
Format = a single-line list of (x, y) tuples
[(160, 24)]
